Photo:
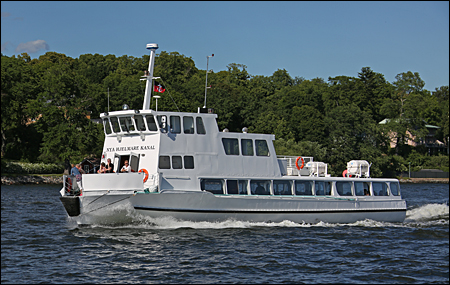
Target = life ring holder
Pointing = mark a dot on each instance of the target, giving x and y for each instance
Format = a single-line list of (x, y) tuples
[(68, 184), (344, 174), (303, 163), (146, 174)]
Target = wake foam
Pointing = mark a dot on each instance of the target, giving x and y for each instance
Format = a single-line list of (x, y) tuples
[(124, 216), (428, 212)]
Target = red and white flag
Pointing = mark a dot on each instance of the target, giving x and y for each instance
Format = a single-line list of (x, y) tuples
[(159, 88)]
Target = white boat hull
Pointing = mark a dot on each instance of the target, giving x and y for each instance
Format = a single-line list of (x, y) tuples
[(204, 206)]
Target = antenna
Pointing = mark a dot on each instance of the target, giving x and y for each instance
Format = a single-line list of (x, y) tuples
[(207, 71), (108, 99)]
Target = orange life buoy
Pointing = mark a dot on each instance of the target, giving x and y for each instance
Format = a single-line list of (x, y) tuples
[(303, 163), (344, 174), (146, 173)]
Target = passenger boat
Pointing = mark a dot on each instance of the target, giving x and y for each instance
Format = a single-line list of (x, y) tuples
[(184, 167)]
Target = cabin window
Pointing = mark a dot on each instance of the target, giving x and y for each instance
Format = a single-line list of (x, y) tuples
[(261, 148), (322, 188), (126, 124), (395, 188), (200, 127), (260, 187), (281, 187), (115, 124), (175, 125), (151, 123), (139, 121), (107, 126), (231, 146), (214, 186), (303, 188), (379, 189), (243, 187), (177, 162), (247, 147), (162, 121), (164, 162), (232, 187), (188, 162), (362, 188), (344, 188), (188, 125)]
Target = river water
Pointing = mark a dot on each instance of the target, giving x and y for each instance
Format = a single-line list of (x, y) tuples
[(40, 244)]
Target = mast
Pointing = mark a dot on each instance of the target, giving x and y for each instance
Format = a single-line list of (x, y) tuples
[(149, 76), (207, 71)]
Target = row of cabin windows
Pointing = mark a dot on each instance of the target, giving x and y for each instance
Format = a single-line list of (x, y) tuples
[(133, 123), (231, 147), (299, 187), (177, 162)]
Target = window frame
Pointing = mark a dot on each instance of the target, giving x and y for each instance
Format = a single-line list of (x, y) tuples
[(309, 189), (230, 146), (245, 150), (260, 147)]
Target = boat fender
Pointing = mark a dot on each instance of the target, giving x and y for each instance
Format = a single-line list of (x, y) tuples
[(146, 174), (303, 163)]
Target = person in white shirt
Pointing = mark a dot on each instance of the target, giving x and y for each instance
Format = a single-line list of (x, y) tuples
[(126, 167)]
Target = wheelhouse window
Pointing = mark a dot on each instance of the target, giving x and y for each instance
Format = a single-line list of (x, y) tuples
[(177, 162), (260, 187), (188, 162), (247, 147), (261, 148), (231, 146), (362, 188), (303, 188), (107, 126), (281, 187), (344, 188), (126, 124), (214, 186), (322, 188), (200, 127), (164, 162), (188, 125), (139, 121), (115, 124), (162, 121), (151, 123), (395, 188), (175, 125), (379, 189)]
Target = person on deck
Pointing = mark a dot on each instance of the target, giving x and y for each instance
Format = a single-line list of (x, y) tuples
[(109, 166), (77, 171), (102, 168), (126, 167)]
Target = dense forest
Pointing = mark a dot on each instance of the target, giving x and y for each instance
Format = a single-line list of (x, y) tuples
[(46, 103)]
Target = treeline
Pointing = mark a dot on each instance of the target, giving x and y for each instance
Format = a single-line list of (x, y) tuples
[(45, 103)]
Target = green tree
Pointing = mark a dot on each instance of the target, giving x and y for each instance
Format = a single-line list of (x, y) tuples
[(62, 111), (18, 85)]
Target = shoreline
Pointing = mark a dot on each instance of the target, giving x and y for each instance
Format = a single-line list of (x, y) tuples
[(38, 179), (31, 179)]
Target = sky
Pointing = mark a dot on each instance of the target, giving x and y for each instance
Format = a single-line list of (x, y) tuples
[(307, 39)]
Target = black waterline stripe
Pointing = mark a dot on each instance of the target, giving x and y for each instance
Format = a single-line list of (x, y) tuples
[(264, 212)]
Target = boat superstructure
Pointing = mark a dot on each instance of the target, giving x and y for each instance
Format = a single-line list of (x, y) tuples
[(183, 166)]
